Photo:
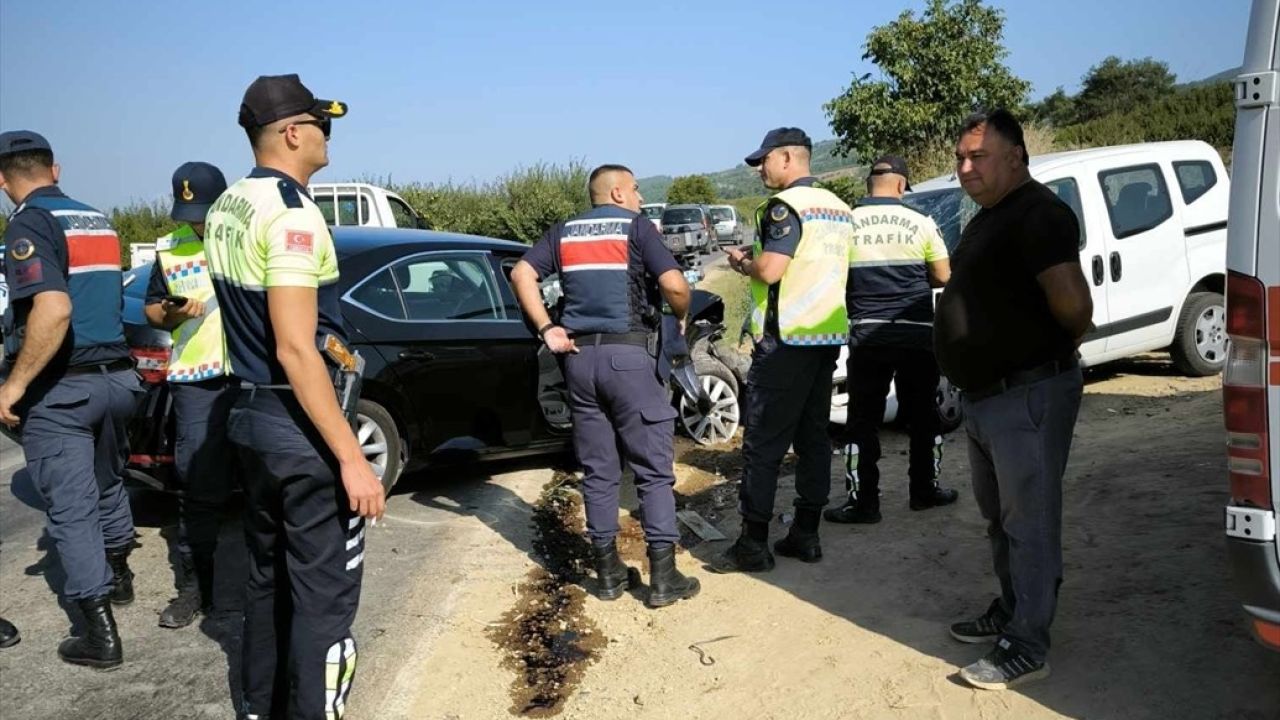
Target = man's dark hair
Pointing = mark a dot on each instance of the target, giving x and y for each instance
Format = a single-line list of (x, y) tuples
[(26, 162), (604, 169), (1003, 123)]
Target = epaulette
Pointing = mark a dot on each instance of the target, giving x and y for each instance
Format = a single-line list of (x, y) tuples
[(289, 194)]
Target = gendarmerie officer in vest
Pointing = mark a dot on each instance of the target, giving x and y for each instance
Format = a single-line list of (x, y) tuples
[(308, 486), (615, 272), (798, 270), (70, 385), (180, 299), (899, 257)]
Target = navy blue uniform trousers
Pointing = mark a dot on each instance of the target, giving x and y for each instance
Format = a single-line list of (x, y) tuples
[(621, 411), (306, 553), (788, 404), (203, 458), (74, 439)]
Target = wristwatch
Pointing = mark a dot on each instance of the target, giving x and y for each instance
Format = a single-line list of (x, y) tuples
[(542, 331)]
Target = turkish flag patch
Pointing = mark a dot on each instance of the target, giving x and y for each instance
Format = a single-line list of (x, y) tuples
[(298, 241), (28, 273)]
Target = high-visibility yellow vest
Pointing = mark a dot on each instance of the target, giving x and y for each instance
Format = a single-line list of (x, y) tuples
[(199, 350), (811, 294)]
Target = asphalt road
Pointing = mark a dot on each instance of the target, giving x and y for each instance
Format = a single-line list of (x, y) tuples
[(434, 536)]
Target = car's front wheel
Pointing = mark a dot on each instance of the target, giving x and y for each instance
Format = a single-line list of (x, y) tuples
[(719, 423), (379, 439), (1200, 340)]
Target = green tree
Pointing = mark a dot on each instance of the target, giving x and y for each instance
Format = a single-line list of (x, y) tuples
[(937, 69), (846, 187), (1118, 86), (691, 189), (1057, 110)]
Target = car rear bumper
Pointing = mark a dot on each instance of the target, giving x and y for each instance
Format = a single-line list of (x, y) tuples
[(1256, 573)]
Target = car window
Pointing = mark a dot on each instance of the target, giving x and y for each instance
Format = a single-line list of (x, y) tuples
[(682, 216), (380, 295), (1195, 178), (1137, 199), (402, 213), (448, 287), (651, 211), (718, 214), (951, 209), (351, 208), (1069, 192)]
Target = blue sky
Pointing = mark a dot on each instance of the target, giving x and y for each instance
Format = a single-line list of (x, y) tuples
[(462, 91)]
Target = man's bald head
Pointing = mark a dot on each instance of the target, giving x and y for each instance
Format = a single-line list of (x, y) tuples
[(614, 185)]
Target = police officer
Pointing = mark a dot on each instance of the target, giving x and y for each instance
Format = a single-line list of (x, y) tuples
[(307, 484), (614, 271), (70, 384), (798, 271), (899, 257), (180, 299)]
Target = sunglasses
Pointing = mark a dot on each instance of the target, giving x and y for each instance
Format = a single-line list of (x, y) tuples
[(325, 125)]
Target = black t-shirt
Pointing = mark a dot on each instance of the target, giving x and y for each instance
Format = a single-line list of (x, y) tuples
[(993, 318)]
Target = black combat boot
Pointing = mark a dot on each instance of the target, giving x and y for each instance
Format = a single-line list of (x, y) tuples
[(935, 496), (666, 585), (749, 554), (855, 512), (8, 634), (99, 647), (801, 541), (121, 575), (195, 590), (613, 577)]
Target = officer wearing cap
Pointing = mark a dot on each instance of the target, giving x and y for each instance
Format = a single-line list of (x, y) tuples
[(615, 272), (798, 268), (180, 299), (70, 385), (308, 487), (899, 258)]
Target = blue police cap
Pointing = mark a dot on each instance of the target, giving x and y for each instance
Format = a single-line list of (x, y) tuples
[(776, 138), (22, 140), (196, 186)]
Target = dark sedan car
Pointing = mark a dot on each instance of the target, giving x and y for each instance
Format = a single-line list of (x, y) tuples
[(453, 371)]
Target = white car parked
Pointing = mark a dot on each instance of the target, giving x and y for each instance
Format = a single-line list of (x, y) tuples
[(1153, 238)]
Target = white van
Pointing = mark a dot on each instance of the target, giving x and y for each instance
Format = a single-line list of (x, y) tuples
[(364, 204), (1251, 381), (1153, 234)]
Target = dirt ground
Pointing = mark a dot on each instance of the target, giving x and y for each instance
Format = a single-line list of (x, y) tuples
[(1147, 626)]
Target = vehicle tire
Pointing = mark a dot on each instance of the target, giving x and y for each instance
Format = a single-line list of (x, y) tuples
[(1200, 340), (950, 413), (380, 440), (719, 425)]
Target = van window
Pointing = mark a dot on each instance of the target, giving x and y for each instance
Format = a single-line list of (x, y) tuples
[(1069, 192), (1195, 178), (346, 205), (1137, 199)]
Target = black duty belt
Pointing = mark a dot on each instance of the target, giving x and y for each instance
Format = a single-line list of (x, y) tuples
[(639, 339), (113, 366), (1023, 377)]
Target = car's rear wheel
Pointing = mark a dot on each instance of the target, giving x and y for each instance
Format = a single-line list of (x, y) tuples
[(379, 439), (720, 423), (1200, 340)]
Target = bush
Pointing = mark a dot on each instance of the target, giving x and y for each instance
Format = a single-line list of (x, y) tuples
[(691, 189), (1203, 112)]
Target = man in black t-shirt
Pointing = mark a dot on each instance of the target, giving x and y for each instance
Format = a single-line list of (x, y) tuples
[(1006, 331)]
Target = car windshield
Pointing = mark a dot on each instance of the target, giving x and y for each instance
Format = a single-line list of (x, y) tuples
[(682, 216), (719, 214), (651, 211), (951, 209)]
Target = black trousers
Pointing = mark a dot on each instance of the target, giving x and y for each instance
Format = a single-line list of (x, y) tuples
[(915, 374), (306, 563), (788, 404), (203, 458)]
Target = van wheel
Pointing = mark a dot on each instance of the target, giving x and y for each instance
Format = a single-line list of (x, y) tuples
[(379, 439), (1200, 341)]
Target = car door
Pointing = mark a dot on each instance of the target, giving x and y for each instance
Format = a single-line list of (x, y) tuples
[(1146, 267), (447, 337), (1093, 257)]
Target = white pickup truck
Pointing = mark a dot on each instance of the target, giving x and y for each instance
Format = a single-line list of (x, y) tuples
[(341, 204), (1153, 238)]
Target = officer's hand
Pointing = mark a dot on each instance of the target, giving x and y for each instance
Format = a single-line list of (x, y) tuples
[(558, 341), (187, 311), (10, 394), (364, 492)]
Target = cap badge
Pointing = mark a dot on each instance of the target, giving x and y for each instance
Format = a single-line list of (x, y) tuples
[(336, 109), (186, 191)]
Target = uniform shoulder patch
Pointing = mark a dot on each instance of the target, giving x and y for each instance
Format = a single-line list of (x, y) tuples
[(289, 194), (22, 249), (777, 231), (779, 212), (298, 241)]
